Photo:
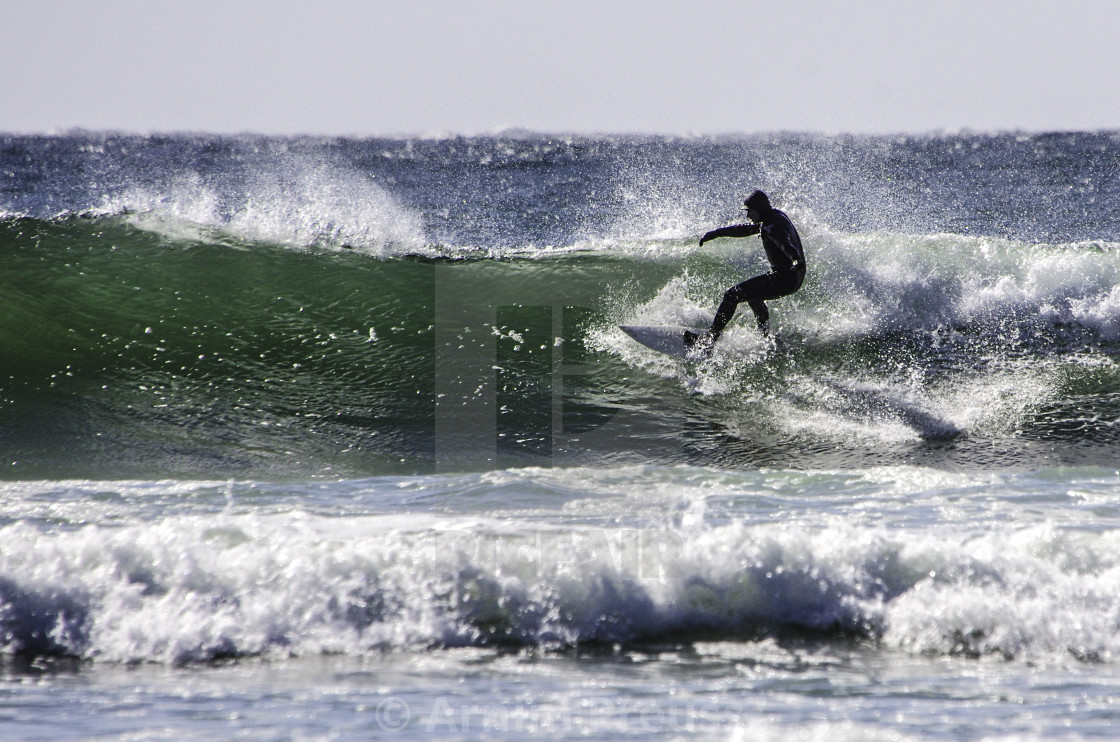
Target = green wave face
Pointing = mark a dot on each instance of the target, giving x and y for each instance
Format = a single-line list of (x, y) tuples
[(121, 351), (124, 351)]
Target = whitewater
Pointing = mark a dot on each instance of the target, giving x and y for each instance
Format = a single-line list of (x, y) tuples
[(307, 438)]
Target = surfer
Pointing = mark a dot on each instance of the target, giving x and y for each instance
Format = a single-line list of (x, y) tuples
[(787, 267)]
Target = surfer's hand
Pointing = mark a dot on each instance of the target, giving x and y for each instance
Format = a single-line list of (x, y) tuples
[(702, 240)]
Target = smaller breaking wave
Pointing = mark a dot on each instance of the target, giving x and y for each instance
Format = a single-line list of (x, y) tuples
[(282, 580), (295, 204)]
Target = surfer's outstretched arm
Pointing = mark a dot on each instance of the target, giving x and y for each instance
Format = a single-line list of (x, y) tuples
[(737, 230)]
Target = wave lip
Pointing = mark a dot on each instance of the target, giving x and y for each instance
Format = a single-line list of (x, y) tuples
[(299, 205)]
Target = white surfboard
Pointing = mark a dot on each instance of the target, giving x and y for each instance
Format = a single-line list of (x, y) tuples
[(664, 339)]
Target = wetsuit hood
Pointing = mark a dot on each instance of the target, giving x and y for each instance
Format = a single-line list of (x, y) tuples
[(760, 203)]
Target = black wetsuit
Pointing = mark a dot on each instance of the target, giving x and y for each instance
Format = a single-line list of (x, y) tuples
[(787, 263)]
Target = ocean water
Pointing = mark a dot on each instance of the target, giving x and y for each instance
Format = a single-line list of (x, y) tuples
[(316, 438)]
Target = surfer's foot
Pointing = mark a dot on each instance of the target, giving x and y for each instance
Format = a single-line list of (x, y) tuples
[(702, 340), (691, 339)]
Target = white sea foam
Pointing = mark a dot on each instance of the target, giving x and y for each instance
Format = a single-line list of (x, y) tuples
[(862, 284), (1101, 312), (196, 586), (930, 300), (882, 281)]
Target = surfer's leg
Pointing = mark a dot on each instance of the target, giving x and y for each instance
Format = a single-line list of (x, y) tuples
[(725, 312), (755, 291), (761, 314), (746, 291)]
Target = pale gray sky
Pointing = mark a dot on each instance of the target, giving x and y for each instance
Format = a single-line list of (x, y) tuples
[(581, 66)]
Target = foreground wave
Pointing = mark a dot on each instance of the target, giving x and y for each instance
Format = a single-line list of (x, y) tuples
[(180, 572)]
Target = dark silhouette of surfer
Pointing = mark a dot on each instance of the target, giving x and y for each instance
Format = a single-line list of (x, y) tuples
[(787, 267)]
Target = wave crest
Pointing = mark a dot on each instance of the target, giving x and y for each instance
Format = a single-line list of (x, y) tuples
[(195, 588), (295, 203)]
